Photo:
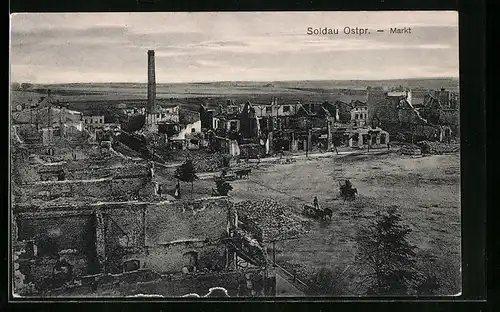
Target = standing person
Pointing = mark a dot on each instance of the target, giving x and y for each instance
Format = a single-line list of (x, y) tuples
[(177, 193), (315, 202), (388, 146)]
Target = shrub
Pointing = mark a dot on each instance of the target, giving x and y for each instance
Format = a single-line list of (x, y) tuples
[(442, 271), (328, 282), (222, 186)]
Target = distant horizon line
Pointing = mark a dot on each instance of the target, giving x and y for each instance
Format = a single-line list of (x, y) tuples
[(236, 81)]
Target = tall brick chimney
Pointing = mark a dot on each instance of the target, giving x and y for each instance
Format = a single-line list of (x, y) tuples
[(151, 107)]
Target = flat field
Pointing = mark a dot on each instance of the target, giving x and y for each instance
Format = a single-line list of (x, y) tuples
[(100, 96), (426, 191)]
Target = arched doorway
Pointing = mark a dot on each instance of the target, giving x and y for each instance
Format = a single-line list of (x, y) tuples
[(190, 260)]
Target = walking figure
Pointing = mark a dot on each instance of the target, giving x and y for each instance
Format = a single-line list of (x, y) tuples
[(177, 193), (315, 202)]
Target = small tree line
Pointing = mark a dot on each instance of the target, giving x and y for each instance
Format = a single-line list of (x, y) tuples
[(16, 86)]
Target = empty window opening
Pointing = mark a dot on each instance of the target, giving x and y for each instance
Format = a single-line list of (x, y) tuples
[(365, 138), (382, 139), (131, 265)]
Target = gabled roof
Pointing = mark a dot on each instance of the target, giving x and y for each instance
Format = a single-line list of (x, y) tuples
[(302, 112), (357, 103)]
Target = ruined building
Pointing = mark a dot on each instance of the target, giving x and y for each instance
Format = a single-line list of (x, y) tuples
[(382, 108), (163, 248), (96, 226), (359, 113)]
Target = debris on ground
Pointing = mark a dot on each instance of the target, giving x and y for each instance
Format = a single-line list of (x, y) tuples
[(429, 147), (410, 149), (208, 162)]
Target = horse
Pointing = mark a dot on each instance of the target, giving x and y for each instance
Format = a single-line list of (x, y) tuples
[(327, 213), (350, 194), (322, 214)]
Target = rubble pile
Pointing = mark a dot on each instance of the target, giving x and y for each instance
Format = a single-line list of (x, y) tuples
[(208, 162), (252, 151), (429, 147), (272, 219), (410, 150)]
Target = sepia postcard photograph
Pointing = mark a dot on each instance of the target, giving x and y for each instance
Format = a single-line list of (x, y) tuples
[(235, 154)]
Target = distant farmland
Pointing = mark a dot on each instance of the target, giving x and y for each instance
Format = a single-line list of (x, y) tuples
[(190, 95)]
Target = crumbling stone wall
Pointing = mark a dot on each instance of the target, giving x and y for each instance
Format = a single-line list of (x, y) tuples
[(382, 108), (132, 170), (169, 230), (247, 283), (40, 271), (451, 118), (59, 232), (186, 220), (55, 238), (123, 230), (170, 258), (100, 188), (237, 283)]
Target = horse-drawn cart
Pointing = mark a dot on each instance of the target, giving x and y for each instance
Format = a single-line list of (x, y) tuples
[(316, 212), (244, 172)]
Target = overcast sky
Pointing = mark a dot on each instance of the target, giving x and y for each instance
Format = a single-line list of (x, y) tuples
[(191, 47)]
